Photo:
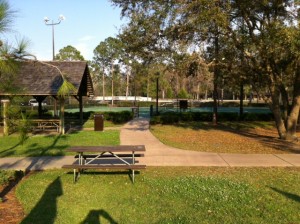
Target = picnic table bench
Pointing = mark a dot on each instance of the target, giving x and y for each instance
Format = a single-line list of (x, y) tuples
[(106, 157), (46, 123)]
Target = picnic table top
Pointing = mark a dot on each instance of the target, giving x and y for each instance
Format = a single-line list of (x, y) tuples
[(115, 148), (45, 120)]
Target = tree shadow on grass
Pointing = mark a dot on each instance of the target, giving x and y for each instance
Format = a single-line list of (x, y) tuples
[(246, 130), (94, 217), (292, 196), (37, 149), (36, 163), (269, 141), (45, 211), (6, 152)]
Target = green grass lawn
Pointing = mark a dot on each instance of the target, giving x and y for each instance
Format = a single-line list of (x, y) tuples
[(55, 145), (164, 195)]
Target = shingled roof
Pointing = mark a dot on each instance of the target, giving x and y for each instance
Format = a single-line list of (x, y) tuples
[(43, 78)]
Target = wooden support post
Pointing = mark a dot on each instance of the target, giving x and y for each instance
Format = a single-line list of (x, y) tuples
[(5, 118), (40, 109), (54, 106), (81, 109)]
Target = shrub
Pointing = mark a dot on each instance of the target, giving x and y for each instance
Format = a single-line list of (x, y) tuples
[(230, 104), (116, 117), (170, 119), (258, 104), (122, 117), (155, 120), (228, 116), (202, 116), (174, 117), (206, 104), (131, 103), (258, 117), (186, 116), (76, 115)]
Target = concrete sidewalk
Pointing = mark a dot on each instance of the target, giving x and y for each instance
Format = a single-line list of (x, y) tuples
[(137, 132)]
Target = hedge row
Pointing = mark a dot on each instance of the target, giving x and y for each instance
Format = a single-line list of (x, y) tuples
[(229, 104), (116, 117), (174, 117)]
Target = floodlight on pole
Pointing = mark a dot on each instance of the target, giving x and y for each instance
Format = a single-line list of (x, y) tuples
[(52, 23)]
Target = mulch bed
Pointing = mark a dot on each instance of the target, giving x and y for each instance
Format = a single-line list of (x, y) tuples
[(11, 210)]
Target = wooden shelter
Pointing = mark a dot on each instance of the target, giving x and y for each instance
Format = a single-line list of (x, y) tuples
[(40, 79)]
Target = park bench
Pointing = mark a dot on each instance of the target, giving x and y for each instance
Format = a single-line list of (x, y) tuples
[(106, 158)]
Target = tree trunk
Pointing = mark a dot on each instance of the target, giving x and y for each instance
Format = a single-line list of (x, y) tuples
[(157, 86), (112, 83), (294, 114), (198, 91), (103, 85), (241, 100), (216, 76), (148, 86), (275, 107), (293, 119), (285, 104), (215, 105), (5, 117), (127, 83)]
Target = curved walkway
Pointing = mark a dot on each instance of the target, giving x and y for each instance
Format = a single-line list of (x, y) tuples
[(136, 132)]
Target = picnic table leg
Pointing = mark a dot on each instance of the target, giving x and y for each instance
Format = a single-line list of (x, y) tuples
[(74, 175), (133, 159), (81, 162), (132, 176), (80, 158)]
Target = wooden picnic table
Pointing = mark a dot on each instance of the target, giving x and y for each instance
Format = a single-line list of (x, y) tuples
[(47, 123), (106, 157)]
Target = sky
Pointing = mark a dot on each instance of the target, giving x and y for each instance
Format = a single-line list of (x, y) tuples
[(87, 23)]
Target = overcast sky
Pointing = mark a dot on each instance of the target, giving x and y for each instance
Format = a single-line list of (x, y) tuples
[(88, 22)]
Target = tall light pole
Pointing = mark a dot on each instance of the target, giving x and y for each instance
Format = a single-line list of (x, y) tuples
[(52, 23)]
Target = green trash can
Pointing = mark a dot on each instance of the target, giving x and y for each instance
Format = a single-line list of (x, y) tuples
[(98, 122)]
